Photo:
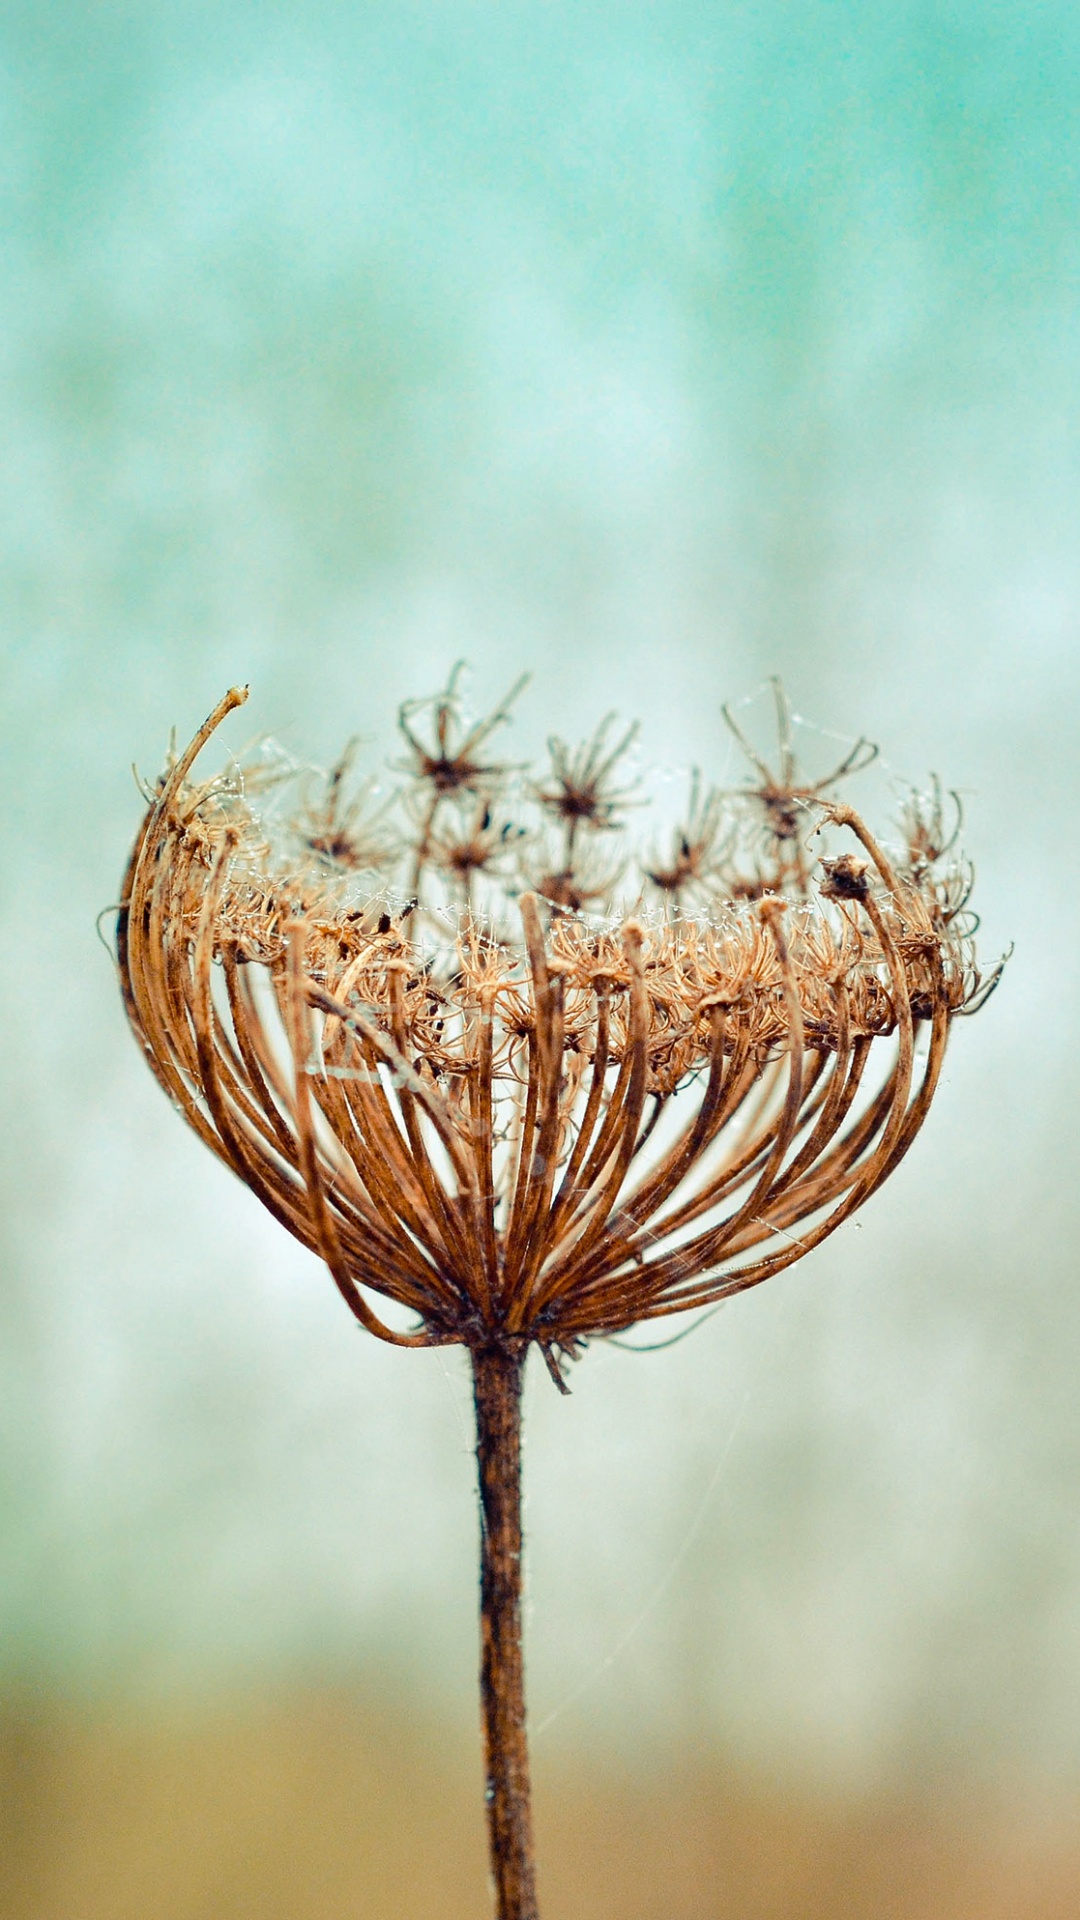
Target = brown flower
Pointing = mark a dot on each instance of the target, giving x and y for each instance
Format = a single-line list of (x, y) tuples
[(543, 1124), (462, 1127)]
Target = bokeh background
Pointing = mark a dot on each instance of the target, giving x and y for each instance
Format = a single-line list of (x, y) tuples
[(656, 350)]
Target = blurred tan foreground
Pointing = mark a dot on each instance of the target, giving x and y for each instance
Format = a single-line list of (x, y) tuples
[(318, 1807)]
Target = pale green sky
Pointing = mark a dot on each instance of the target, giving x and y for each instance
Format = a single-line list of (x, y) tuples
[(656, 350)]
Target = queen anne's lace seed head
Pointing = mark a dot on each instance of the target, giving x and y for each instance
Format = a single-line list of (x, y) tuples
[(431, 1041)]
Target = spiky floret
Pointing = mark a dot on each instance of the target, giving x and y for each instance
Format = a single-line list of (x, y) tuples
[(521, 1120)]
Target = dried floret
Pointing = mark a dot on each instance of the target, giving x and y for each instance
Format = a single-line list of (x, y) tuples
[(783, 807), (581, 788), (447, 767), (449, 763), (346, 824), (701, 842)]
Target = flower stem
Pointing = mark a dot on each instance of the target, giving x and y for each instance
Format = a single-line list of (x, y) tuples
[(497, 1378)]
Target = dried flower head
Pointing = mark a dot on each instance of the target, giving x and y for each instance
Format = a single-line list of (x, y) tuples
[(537, 1114), (523, 1117)]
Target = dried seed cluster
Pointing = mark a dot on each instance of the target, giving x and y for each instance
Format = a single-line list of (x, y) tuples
[(424, 1036)]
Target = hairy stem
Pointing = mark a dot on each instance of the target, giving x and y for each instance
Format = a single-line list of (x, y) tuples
[(497, 1377)]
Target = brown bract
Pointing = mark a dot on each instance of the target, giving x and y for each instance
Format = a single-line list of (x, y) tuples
[(524, 1121)]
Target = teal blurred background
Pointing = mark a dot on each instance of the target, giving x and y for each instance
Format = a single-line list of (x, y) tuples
[(655, 350)]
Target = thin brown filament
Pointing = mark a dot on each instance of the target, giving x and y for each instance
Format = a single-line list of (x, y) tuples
[(481, 1112), (442, 1204), (588, 1120), (325, 1232), (596, 1209), (534, 1191)]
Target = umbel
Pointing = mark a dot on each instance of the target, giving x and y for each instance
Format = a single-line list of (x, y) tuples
[(525, 1085)]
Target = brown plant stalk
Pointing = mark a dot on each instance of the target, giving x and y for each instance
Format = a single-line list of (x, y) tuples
[(494, 1081)]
